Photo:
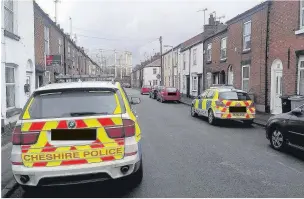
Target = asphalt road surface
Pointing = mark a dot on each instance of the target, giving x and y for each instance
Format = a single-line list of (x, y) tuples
[(187, 157)]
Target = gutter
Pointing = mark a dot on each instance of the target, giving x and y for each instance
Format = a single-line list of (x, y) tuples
[(267, 108)]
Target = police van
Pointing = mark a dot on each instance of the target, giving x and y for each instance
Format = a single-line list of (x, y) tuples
[(77, 132)]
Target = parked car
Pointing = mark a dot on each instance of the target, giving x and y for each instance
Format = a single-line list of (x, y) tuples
[(286, 129), (168, 94), (224, 103), (154, 91), (145, 89), (126, 85)]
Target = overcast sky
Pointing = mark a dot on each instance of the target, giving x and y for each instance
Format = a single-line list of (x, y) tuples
[(135, 25)]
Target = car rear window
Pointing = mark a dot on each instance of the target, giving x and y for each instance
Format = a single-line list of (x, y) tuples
[(230, 95), (171, 89), (73, 104)]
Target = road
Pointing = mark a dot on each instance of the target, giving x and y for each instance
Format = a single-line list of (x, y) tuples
[(187, 157)]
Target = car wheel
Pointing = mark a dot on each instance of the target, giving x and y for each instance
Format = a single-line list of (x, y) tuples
[(211, 118), (193, 113), (248, 122), (141, 93), (277, 140)]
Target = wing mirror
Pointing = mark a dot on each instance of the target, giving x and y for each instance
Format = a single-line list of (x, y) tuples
[(135, 100), (296, 111), (198, 97)]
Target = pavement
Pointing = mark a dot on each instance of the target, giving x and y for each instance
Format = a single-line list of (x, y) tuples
[(186, 157), (260, 119)]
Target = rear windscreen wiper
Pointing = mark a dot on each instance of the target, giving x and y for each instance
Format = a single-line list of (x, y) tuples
[(88, 113)]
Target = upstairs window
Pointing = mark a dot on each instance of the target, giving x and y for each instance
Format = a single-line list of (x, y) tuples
[(46, 40), (209, 48), (184, 61), (224, 48), (154, 71), (194, 56), (247, 36), (9, 15)]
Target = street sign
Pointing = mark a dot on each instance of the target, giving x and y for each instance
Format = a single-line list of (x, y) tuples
[(53, 60), (158, 76)]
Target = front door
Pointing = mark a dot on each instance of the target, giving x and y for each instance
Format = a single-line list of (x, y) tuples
[(188, 86), (278, 92), (199, 85)]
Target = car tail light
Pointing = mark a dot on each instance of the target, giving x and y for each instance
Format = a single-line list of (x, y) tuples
[(17, 163), (24, 138), (219, 103), (127, 130)]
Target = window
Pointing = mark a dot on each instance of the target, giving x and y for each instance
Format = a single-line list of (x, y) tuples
[(245, 77), (10, 87), (154, 82), (154, 71), (169, 81), (194, 56), (46, 40), (210, 94), (224, 48), (247, 36), (9, 15), (48, 76), (194, 83), (184, 82), (69, 103), (59, 46), (302, 15), (204, 94), (301, 76), (231, 95), (209, 48), (169, 60), (69, 51)]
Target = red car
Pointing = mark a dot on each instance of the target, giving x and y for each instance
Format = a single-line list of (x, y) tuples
[(169, 94), (145, 89)]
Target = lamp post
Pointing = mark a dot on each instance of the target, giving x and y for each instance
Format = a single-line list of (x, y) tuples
[(172, 70)]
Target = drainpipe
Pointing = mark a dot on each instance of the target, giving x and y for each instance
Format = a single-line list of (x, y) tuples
[(267, 107), (190, 72)]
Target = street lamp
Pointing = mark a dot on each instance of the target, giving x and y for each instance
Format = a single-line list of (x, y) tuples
[(172, 71)]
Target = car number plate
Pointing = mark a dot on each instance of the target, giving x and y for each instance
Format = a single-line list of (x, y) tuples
[(238, 114)]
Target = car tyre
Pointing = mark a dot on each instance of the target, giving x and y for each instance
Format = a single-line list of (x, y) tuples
[(277, 139), (193, 113), (211, 118)]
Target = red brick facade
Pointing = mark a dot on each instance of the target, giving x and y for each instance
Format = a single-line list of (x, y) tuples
[(255, 57), (76, 60), (273, 40), (216, 66), (284, 20)]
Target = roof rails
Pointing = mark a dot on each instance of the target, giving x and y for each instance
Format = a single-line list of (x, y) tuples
[(80, 78)]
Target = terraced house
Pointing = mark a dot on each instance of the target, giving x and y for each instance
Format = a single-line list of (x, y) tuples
[(260, 51)]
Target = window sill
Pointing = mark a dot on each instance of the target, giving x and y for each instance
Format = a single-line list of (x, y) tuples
[(194, 90), (11, 35), (246, 51), (223, 60), (12, 112), (298, 32), (208, 62)]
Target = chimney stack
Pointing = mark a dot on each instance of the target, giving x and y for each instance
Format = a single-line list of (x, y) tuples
[(211, 20)]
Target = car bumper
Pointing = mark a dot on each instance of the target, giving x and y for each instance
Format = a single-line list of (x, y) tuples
[(41, 176), (174, 98), (226, 116)]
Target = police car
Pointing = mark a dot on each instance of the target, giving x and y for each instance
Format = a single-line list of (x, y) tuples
[(77, 132), (224, 103)]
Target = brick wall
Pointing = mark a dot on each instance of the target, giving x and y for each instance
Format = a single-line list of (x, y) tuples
[(255, 57), (216, 64), (283, 22)]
